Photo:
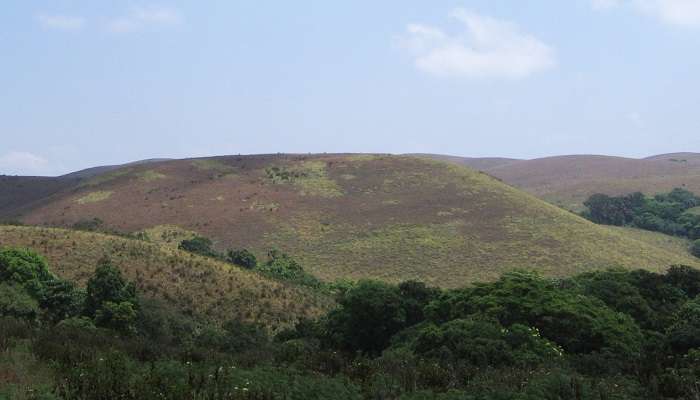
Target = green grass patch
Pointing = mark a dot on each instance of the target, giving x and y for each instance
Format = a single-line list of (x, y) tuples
[(310, 177), (150, 175), (95, 197)]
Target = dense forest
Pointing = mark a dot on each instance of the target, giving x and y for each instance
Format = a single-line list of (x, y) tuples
[(674, 213), (612, 334)]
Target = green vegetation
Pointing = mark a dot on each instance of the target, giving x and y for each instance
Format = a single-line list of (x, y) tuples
[(95, 197), (150, 175), (611, 334), (695, 248), (198, 245), (666, 213), (310, 176), (242, 257), (202, 287)]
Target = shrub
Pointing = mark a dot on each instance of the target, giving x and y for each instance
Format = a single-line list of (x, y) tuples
[(198, 245), (24, 267), (243, 257)]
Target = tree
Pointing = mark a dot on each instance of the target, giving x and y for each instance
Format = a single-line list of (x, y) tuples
[(24, 267), (685, 334), (198, 245), (243, 257), (111, 301), (61, 300), (368, 316)]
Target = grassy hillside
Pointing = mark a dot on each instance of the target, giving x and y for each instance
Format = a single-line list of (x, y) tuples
[(568, 180), (356, 216), (196, 285)]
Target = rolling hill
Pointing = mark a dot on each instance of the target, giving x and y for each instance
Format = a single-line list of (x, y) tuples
[(198, 286), (355, 216), (568, 180)]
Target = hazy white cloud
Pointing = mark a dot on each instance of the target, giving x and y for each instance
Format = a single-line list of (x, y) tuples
[(684, 13), (142, 17), (486, 48), (22, 163), (605, 4), (61, 22), (674, 12)]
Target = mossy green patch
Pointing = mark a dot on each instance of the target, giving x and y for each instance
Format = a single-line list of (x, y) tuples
[(150, 175), (310, 177), (95, 197)]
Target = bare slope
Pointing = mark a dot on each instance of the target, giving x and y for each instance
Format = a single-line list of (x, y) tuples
[(196, 285), (356, 216)]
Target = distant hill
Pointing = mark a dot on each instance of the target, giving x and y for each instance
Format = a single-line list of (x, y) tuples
[(355, 216), (568, 180), (20, 193), (195, 285)]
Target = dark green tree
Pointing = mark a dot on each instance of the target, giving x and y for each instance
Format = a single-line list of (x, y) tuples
[(369, 315), (111, 300), (243, 257), (198, 245), (24, 267)]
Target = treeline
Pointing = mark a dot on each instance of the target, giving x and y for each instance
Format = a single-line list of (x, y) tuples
[(600, 335), (277, 266), (665, 212)]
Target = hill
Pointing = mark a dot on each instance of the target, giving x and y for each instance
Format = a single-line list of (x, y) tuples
[(21, 193), (355, 216), (196, 285), (568, 180)]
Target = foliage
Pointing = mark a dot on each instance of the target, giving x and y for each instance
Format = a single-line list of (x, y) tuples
[(198, 245), (24, 267), (612, 334), (667, 212), (242, 257), (281, 266), (110, 300), (367, 317)]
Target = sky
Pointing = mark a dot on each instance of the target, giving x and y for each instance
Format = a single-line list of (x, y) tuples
[(88, 82)]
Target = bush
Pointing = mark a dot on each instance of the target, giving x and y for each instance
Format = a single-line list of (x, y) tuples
[(244, 258), (198, 245), (24, 267)]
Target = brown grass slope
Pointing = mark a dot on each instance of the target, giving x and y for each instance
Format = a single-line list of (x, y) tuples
[(568, 180), (357, 216), (198, 286)]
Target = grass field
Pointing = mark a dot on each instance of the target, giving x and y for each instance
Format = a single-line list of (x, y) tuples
[(198, 286), (358, 216)]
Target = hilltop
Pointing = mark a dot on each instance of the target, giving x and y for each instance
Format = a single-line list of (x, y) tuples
[(354, 216), (568, 180), (198, 286)]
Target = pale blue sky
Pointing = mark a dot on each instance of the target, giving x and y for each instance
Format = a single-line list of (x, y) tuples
[(87, 83)]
